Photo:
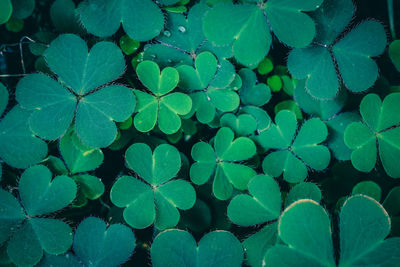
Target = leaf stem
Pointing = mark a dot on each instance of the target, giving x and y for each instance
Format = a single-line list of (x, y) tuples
[(391, 18)]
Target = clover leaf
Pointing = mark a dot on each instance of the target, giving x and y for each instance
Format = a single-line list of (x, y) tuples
[(183, 40), (305, 230), (394, 53), (78, 96), (352, 53), (142, 20), (29, 234), (379, 131), (161, 106), (329, 111), (6, 11), (251, 92), (242, 125), (156, 198), (207, 99), (98, 244), (223, 162), (294, 153), (248, 25), (262, 205), (179, 248), (79, 159)]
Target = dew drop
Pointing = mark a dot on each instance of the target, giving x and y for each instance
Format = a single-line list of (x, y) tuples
[(167, 33), (182, 29)]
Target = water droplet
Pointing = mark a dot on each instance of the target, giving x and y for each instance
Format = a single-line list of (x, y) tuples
[(219, 66), (153, 56), (167, 33), (208, 98), (182, 29)]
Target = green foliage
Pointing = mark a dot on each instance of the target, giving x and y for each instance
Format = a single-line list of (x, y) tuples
[(239, 134), (178, 248), (54, 106), (378, 132), (312, 246), (293, 153), (223, 162), (156, 197), (246, 27), (142, 20), (161, 106), (98, 244), (315, 63), (28, 233)]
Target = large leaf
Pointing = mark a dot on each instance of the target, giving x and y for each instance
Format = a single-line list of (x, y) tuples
[(178, 248), (141, 19), (97, 244)]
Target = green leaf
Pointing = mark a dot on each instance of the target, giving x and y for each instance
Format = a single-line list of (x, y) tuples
[(36, 235), (97, 244), (157, 198), (352, 53), (53, 106), (64, 16), (22, 8), (90, 186), (163, 106), (242, 125), (77, 156), (305, 227), (12, 214), (224, 163), (155, 168), (41, 195), (6, 11), (394, 53), (80, 70), (295, 153), (3, 98), (251, 92), (97, 112), (378, 131), (368, 188), (19, 148), (142, 20), (246, 23), (178, 248), (64, 260), (264, 203), (304, 190)]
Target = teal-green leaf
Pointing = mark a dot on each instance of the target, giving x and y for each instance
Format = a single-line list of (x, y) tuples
[(244, 25), (22, 8), (77, 156), (285, 17), (310, 240), (97, 112), (69, 58), (97, 244), (142, 20), (178, 248), (137, 199), (394, 53), (251, 92), (53, 106), (155, 168), (158, 82), (353, 56), (368, 188), (380, 126), (3, 98), (36, 235), (19, 148), (204, 167), (262, 205), (12, 214), (64, 16), (242, 125), (90, 186), (41, 195), (304, 190)]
